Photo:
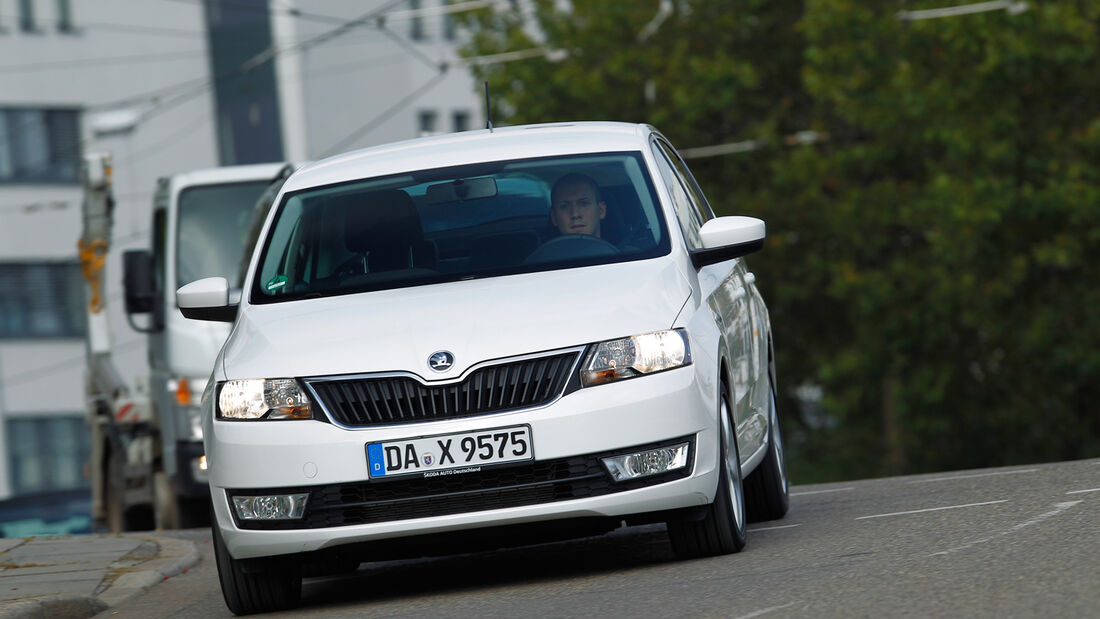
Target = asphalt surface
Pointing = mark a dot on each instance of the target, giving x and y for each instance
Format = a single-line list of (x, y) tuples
[(1014, 542)]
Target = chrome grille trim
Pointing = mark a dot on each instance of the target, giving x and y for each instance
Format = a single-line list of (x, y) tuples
[(372, 400)]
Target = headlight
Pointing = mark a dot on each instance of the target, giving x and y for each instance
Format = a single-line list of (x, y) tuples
[(635, 356), (259, 398)]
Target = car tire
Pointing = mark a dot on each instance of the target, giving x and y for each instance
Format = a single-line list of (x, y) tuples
[(261, 586), (767, 489), (722, 528)]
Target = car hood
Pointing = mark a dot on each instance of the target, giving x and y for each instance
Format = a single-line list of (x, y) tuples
[(477, 320)]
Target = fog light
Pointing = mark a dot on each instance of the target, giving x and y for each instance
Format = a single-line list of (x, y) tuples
[(270, 507), (199, 469), (648, 462)]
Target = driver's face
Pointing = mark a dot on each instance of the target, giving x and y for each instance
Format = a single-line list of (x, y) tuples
[(576, 211)]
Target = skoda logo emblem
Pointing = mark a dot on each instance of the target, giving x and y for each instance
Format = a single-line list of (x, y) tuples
[(441, 361)]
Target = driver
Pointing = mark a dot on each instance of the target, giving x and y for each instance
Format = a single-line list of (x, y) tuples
[(576, 206)]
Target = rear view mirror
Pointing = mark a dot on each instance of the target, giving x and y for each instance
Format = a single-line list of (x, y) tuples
[(139, 281), (208, 299), (461, 189), (726, 238)]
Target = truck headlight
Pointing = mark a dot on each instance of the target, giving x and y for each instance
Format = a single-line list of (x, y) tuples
[(636, 356), (263, 398)]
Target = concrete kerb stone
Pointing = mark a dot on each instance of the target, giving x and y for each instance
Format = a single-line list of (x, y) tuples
[(53, 606), (173, 556)]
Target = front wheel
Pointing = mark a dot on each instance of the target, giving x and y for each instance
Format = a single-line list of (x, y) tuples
[(767, 489), (722, 529), (256, 585)]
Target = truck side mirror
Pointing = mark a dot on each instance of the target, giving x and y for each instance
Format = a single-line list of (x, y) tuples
[(139, 281)]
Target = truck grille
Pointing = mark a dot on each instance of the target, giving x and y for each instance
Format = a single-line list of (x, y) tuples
[(500, 487), (384, 400)]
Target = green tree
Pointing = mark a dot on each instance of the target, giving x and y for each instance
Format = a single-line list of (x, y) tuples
[(932, 266)]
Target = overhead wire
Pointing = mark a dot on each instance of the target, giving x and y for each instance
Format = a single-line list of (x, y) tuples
[(396, 107), (166, 98), (110, 60), (286, 10), (130, 28)]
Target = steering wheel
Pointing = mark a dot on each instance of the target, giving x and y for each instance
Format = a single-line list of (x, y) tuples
[(572, 246), (349, 267)]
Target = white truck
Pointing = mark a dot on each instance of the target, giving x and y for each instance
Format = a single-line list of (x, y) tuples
[(148, 468)]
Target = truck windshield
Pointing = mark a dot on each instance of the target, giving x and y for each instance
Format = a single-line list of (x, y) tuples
[(454, 224), (213, 230)]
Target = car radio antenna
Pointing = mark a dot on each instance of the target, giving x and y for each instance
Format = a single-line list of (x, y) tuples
[(488, 109)]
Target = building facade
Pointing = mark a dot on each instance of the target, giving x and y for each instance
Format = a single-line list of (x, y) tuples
[(168, 87)]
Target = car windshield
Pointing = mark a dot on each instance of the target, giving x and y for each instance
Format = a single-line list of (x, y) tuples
[(461, 223), (213, 228)]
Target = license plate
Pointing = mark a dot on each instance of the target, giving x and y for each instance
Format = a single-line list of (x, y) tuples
[(449, 454)]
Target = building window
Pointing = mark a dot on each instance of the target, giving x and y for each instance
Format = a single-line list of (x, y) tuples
[(416, 26), (461, 121), (41, 300), (26, 15), (426, 122), (39, 145), (448, 23), (47, 453), (64, 16)]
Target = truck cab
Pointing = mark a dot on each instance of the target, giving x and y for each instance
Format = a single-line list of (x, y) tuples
[(202, 225)]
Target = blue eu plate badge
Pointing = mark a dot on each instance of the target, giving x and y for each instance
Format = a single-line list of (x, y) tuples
[(376, 460)]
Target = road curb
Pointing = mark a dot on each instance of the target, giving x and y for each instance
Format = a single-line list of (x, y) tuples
[(53, 606), (173, 556)]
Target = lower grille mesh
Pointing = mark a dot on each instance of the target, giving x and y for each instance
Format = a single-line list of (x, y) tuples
[(492, 488)]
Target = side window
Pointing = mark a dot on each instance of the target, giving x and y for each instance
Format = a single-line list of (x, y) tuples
[(698, 201), (686, 212)]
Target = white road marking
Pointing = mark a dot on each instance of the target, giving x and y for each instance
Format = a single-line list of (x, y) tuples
[(1084, 491), (821, 491), (764, 611), (931, 509), (949, 478), (1058, 508), (785, 526)]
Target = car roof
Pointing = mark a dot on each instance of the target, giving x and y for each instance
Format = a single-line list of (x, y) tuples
[(468, 147)]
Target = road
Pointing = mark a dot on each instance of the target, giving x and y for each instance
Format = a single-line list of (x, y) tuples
[(1016, 542)]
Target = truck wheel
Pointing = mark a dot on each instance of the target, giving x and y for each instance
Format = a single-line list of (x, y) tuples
[(193, 513), (175, 512), (722, 529), (113, 506), (256, 585), (165, 506)]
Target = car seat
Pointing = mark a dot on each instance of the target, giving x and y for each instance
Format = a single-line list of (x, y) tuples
[(386, 227)]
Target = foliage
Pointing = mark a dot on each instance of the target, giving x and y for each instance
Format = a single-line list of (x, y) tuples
[(932, 265)]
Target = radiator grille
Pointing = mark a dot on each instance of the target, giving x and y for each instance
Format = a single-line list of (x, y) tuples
[(384, 400)]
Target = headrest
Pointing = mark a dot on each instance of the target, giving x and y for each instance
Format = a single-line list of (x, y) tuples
[(379, 219)]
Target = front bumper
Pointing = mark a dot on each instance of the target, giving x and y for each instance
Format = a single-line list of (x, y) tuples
[(578, 428)]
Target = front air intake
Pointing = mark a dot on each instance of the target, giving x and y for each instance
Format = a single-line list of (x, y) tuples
[(383, 400)]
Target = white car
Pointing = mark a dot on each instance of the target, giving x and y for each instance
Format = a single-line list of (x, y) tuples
[(493, 336)]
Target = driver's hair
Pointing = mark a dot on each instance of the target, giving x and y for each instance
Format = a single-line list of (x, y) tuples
[(576, 178)]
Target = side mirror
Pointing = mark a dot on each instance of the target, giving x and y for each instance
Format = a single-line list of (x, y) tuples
[(726, 238), (139, 281), (207, 299)]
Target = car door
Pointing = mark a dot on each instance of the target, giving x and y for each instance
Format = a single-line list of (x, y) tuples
[(728, 298)]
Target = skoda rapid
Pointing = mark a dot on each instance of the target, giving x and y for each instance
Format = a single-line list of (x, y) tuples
[(492, 337)]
